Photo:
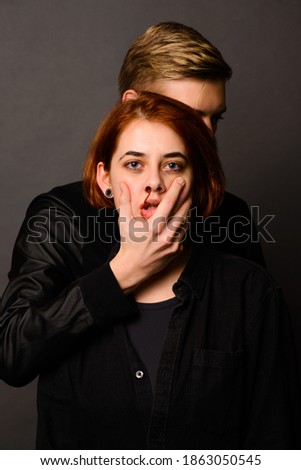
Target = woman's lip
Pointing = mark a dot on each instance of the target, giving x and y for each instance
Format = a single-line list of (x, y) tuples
[(148, 213), (148, 207), (150, 202)]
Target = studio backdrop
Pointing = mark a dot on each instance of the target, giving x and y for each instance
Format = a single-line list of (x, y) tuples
[(59, 63)]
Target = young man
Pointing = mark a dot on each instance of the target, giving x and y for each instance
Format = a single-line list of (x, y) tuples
[(177, 61)]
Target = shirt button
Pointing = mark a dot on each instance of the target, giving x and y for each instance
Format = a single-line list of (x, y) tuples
[(165, 376), (139, 374)]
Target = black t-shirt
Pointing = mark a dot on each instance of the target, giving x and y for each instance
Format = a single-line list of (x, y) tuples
[(148, 332)]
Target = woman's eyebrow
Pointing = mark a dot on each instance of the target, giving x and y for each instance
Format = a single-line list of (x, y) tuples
[(175, 155), (134, 153)]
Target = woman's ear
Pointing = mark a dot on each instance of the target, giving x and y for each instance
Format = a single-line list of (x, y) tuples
[(129, 95), (102, 177)]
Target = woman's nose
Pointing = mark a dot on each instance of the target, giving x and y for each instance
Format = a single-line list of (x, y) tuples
[(154, 183)]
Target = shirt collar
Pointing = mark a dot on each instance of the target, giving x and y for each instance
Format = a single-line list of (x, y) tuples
[(194, 273), (196, 270)]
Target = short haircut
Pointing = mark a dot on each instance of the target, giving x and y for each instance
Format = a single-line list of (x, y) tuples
[(169, 51), (208, 176)]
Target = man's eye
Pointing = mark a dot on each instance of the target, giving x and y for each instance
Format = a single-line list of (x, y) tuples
[(218, 117)]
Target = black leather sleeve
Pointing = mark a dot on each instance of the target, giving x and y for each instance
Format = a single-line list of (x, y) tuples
[(50, 302), (231, 229)]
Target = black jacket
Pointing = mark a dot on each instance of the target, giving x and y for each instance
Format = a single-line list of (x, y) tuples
[(227, 377)]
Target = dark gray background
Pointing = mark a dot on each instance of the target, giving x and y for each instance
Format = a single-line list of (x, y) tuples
[(58, 77)]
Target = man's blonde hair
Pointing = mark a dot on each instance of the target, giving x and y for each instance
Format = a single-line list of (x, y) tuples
[(169, 51)]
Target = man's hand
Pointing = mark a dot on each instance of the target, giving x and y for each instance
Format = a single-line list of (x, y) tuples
[(148, 246)]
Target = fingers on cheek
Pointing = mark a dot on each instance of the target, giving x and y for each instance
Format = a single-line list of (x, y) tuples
[(157, 226), (177, 225), (176, 248), (174, 237), (174, 230)]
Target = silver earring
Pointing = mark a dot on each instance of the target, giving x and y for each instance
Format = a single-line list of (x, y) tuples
[(109, 193)]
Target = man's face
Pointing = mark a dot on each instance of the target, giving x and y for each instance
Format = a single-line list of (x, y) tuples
[(205, 96)]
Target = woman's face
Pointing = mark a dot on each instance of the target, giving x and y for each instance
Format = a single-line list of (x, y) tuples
[(148, 157)]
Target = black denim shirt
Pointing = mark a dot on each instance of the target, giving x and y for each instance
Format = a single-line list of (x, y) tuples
[(227, 377)]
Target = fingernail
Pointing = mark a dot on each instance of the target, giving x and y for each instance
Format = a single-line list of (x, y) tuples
[(181, 181)]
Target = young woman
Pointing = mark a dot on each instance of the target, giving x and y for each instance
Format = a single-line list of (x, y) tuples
[(142, 339)]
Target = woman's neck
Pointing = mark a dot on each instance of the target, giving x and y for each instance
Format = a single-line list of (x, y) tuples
[(159, 286)]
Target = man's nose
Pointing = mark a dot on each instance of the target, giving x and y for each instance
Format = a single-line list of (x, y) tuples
[(208, 121)]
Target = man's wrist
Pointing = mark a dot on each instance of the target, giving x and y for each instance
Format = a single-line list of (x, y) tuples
[(127, 279)]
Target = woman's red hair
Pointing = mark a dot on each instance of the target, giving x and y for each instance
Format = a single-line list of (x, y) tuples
[(208, 183)]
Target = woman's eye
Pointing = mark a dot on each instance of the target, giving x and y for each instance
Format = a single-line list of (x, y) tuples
[(174, 166), (133, 165)]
